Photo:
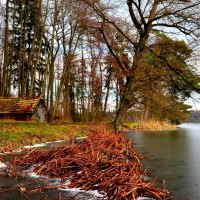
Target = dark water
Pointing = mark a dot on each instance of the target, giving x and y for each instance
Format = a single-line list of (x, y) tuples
[(173, 156), (10, 186)]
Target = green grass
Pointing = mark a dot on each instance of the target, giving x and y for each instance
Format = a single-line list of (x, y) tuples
[(14, 135), (130, 125), (4, 136)]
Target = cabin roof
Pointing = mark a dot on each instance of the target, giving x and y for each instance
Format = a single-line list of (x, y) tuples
[(18, 105)]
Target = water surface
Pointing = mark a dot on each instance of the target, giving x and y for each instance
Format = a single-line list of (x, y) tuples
[(173, 156)]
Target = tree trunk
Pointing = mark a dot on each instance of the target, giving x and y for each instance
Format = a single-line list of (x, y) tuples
[(108, 81), (123, 107), (5, 66)]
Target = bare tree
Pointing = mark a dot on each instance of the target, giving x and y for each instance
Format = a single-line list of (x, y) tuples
[(147, 17)]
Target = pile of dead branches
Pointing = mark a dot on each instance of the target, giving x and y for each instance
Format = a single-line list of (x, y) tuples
[(104, 161)]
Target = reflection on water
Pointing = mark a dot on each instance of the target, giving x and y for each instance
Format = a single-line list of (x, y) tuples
[(173, 156)]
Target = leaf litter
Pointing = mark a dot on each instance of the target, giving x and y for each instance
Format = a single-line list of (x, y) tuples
[(104, 162)]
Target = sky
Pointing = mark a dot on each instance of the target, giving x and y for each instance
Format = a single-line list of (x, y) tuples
[(194, 102)]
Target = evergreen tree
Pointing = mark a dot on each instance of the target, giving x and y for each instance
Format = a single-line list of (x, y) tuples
[(27, 47)]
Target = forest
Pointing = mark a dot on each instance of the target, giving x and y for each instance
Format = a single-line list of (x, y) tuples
[(89, 59)]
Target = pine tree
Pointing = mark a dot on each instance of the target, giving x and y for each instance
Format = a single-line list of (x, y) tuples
[(29, 47)]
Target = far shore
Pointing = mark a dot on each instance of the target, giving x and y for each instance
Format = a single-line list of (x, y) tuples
[(149, 126)]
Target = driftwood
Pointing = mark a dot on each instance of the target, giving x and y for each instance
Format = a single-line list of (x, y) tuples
[(104, 161)]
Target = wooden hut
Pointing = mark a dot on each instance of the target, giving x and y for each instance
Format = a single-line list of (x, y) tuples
[(23, 109)]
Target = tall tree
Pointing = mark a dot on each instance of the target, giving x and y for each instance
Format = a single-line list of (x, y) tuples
[(160, 90), (6, 59), (27, 46), (146, 16)]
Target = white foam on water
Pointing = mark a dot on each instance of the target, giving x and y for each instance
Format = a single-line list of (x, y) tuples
[(17, 151), (57, 141), (35, 146), (64, 185), (11, 152), (33, 175), (94, 193), (2, 165), (81, 137), (67, 182)]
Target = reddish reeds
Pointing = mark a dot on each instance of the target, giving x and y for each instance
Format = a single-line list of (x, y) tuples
[(105, 162)]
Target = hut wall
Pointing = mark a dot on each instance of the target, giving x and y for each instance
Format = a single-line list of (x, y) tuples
[(40, 113), (15, 116)]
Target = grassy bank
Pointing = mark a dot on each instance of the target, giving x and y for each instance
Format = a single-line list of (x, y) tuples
[(150, 125), (14, 135)]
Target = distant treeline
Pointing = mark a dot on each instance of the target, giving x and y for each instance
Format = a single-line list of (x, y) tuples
[(194, 116)]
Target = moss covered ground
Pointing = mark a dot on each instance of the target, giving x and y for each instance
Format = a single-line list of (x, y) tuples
[(14, 135)]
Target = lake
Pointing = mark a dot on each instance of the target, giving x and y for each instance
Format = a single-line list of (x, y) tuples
[(173, 156)]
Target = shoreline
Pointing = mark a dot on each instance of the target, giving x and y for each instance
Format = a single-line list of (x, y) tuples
[(105, 161), (149, 126)]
